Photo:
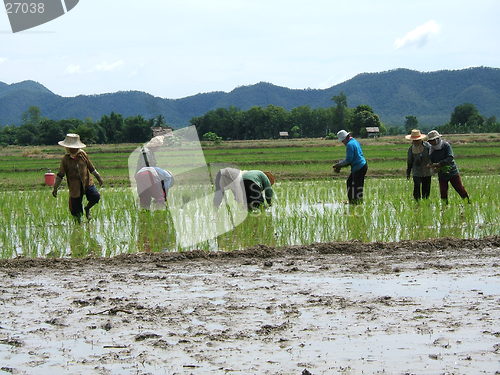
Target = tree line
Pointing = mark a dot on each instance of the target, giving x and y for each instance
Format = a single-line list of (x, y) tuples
[(37, 130), (233, 123), (304, 121), (465, 118)]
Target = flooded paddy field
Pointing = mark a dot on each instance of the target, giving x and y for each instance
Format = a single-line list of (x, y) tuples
[(311, 285), (410, 307), (34, 224)]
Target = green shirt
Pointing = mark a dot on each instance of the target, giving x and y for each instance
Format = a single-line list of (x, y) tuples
[(261, 180)]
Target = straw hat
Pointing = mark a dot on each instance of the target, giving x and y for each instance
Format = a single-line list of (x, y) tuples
[(271, 177), (433, 134), (156, 141), (72, 141), (415, 135), (342, 134)]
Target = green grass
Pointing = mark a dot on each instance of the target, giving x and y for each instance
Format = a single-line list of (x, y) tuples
[(309, 200), (22, 168), (37, 225)]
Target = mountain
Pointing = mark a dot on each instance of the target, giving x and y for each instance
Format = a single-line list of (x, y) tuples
[(394, 94)]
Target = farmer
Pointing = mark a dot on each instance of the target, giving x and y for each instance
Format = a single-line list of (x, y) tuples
[(249, 187), (354, 158), (229, 179), (77, 168), (153, 182), (443, 161), (417, 164), (258, 185)]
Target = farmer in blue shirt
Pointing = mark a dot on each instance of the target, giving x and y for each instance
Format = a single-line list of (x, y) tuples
[(354, 157)]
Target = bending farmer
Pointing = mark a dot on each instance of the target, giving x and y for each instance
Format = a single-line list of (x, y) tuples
[(153, 182), (250, 188)]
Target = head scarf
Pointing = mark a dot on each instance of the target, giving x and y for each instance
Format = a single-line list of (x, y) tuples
[(437, 146)]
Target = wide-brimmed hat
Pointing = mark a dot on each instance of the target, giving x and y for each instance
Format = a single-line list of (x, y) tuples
[(433, 134), (72, 141), (156, 141), (342, 134), (271, 177), (415, 135)]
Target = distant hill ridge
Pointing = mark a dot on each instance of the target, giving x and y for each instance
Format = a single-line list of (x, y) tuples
[(393, 94)]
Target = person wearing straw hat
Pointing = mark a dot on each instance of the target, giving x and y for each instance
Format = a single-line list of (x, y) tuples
[(78, 169), (443, 161), (418, 164), (147, 156), (359, 167)]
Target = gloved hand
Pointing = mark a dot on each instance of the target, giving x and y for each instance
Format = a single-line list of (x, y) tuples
[(54, 193), (337, 168), (408, 177)]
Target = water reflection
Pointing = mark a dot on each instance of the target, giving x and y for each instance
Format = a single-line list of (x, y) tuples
[(257, 228), (155, 231), (82, 242)]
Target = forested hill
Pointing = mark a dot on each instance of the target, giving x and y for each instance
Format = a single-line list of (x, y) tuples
[(393, 95)]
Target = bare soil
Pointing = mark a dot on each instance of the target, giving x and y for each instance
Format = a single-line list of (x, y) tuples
[(420, 307)]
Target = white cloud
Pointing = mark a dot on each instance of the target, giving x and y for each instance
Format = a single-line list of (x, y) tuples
[(2, 60), (419, 36), (73, 69), (108, 67)]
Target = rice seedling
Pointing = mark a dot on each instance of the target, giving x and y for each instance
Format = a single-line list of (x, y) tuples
[(34, 224)]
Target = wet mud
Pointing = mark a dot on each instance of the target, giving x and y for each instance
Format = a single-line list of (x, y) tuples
[(419, 307)]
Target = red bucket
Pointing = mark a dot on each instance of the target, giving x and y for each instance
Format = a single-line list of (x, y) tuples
[(50, 178)]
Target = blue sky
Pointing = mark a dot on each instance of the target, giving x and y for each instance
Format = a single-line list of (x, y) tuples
[(174, 49)]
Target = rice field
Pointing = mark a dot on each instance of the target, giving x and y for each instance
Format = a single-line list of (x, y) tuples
[(35, 224), (22, 168)]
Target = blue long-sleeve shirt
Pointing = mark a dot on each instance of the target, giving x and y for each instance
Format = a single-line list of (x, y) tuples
[(353, 156)]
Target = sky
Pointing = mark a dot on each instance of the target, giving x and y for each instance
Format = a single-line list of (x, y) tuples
[(178, 48)]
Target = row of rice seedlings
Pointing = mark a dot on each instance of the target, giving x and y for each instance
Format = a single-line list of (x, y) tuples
[(36, 224)]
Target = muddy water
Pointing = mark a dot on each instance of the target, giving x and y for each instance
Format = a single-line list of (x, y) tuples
[(424, 307)]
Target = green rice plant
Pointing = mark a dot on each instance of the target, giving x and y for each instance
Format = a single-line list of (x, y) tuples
[(37, 225)]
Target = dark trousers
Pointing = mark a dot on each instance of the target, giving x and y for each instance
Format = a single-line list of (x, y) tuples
[(456, 182), (75, 204), (355, 184), (421, 187), (254, 194)]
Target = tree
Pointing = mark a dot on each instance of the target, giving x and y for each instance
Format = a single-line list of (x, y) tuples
[(364, 117), (8, 135), (135, 129), (340, 111), (25, 137), (159, 121), (411, 122), (50, 132), (212, 137), (112, 126), (296, 132), (466, 114), (32, 116)]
